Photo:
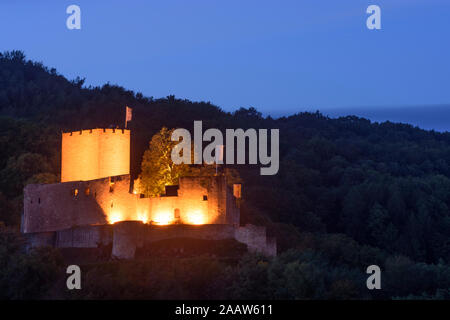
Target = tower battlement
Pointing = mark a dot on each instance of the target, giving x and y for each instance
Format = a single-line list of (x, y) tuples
[(96, 131), (94, 154)]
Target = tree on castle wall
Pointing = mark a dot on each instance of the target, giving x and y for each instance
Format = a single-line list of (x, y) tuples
[(157, 168)]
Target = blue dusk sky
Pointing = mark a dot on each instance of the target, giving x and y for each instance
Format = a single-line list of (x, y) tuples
[(280, 57)]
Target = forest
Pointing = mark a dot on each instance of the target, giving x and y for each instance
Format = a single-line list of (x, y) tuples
[(349, 193)]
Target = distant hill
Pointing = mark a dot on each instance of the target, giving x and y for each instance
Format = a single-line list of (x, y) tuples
[(430, 117)]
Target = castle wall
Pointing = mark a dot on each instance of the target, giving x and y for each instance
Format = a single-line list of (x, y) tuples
[(207, 232), (117, 202), (194, 209), (217, 199), (233, 213), (41, 239), (52, 207), (220, 206), (84, 237), (162, 209), (93, 154), (256, 239), (126, 236), (200, 200)]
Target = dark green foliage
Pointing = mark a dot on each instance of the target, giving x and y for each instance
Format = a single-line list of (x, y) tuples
[(170, 278), (26, 275)]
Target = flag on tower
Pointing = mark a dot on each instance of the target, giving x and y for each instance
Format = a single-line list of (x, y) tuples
[(129, 115)]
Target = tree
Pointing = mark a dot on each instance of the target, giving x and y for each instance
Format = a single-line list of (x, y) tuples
[(157, 167)]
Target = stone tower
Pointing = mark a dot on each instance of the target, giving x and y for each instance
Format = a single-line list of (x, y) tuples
[(94, 154)]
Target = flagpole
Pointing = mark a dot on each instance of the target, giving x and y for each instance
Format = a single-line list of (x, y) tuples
[(126, 116)]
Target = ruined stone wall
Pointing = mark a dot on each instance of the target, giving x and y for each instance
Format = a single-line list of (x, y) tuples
[(84, 237), (233, 215), (197, 201), (207, 232), (93, 154), (162, 209), (118, 203), (52, 207), (40, 239), (256, 239), (216, 204), (200, 200), (211, 196), (126, 236)]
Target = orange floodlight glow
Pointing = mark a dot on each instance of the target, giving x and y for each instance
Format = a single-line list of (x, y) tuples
[(163, 218), (196, 217), (114, 217)]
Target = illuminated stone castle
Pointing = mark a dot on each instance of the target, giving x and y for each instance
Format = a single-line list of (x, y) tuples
[(95, 204)]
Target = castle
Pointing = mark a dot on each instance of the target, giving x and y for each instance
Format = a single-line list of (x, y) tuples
[(95, 203)]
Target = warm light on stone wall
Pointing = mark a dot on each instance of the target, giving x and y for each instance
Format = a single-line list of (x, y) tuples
[(115, 216), (163, 218), (51, 207), (196, 216), (93, 154)]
